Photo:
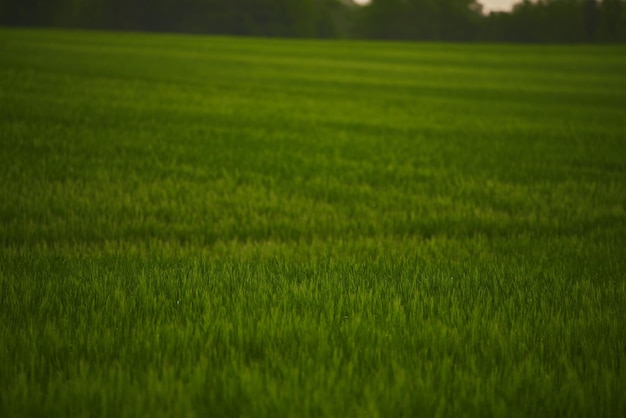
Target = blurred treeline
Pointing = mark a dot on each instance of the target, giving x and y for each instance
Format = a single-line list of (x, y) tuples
[(454, 20)]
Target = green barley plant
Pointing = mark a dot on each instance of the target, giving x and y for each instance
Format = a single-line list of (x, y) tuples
[(209, 226)]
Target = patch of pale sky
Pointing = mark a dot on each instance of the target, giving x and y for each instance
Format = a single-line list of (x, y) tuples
[(488, 5)]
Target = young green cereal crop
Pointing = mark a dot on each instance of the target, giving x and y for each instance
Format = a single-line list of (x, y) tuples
[(212, 226)]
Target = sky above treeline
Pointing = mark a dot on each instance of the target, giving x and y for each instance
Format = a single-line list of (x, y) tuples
[(488, 5), (497, 5)]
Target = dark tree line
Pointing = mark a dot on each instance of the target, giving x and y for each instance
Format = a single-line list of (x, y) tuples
[(420, 19), (455, 20), (286, 18), (559, 21)]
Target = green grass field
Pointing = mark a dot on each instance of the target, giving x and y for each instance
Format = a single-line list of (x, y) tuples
[(204, 226)]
